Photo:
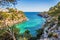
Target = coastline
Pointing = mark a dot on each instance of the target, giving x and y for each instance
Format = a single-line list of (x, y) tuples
[(10, 23)]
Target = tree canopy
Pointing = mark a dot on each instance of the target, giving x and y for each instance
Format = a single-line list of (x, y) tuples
[(8, 2)]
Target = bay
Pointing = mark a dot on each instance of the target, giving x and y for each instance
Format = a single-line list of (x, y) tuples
[(33, 23)]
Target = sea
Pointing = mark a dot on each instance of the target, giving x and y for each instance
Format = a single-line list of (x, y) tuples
[(33, 23)]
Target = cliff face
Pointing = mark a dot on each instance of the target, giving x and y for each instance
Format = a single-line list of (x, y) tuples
[(55, 12), (53, 24), (11, 17)]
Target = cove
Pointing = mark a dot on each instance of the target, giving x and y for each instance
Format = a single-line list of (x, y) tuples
[(33, 23)]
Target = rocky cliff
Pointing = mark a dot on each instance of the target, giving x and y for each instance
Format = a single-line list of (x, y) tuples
[(10, 16)]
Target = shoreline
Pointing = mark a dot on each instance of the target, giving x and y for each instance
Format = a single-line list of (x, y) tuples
[(10, 23)]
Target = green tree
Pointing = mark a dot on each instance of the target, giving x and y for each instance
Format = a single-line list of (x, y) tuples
[(5, 15), (58, 20), (40, 32), (12, 32), (50, 34), (8, 2), (27, 34)]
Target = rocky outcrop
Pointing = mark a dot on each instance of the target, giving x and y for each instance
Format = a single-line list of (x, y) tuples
[(44, 14), (11, 17)]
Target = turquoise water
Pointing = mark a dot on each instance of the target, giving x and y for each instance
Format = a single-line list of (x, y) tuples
[(33, 23)]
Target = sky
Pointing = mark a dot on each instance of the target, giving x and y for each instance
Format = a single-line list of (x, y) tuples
[(36, 5)]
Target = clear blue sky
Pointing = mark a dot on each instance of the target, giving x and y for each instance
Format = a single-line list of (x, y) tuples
[(36, 5)]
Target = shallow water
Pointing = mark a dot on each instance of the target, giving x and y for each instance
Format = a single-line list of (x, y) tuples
[(33, 23)]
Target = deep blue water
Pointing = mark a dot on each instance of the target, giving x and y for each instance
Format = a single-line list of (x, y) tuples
[(33, 23)]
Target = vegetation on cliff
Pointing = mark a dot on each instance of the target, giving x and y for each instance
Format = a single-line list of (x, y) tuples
[(10, 17), (54, 24), (55, 12)]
